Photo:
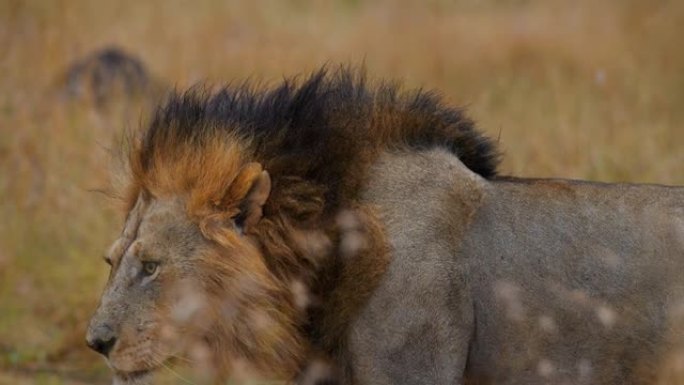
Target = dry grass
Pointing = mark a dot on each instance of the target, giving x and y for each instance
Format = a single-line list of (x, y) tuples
[(580, 89)]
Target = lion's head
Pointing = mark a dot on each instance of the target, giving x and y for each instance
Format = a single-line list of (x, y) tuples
[(186, 270)]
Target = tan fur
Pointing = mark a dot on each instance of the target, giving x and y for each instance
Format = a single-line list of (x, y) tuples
[(520, 281)]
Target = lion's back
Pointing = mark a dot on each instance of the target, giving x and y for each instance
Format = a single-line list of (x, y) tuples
[(585, 276)]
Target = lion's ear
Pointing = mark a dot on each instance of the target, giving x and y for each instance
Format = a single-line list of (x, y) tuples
[(242, 202), (251, 206), (248, 193)]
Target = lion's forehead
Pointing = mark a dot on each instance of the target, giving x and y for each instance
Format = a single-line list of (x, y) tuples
[(161, 215), (163, 229)]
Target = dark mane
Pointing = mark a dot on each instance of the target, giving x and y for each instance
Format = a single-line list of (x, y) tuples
[(325, 129)]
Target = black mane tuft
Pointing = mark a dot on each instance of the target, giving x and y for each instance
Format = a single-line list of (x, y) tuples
[(325, 129)]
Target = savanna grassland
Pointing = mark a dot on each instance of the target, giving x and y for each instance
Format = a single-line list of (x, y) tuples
[(577, 89)]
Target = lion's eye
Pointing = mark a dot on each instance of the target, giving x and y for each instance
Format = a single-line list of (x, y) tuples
[(149, 268)]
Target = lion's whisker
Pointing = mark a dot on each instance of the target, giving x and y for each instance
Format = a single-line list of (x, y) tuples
[(187, 381), (183, 358), (173, 372), (174, 355)]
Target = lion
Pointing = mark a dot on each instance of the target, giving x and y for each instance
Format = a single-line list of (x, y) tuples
[(107, 75), (333, 219)]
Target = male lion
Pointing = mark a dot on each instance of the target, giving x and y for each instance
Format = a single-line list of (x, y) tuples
[(109, 76), (417, 263)]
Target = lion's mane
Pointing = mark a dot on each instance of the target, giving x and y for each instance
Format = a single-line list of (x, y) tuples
[(317, 138)]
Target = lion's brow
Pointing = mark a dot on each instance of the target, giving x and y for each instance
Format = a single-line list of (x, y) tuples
[(129, 233)]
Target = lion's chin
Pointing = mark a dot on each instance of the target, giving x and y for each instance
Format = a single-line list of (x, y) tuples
[(140, 377)]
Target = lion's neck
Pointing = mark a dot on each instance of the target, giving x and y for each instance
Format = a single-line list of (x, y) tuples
[(337, 265), (347, 280), (262, 342)]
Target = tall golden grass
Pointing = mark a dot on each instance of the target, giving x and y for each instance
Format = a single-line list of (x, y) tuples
[(579, 89)]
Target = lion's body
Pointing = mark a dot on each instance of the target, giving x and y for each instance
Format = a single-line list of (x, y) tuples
[(424, 267), (520, 281)]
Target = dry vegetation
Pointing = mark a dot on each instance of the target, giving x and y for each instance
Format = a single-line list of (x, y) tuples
[(580, 89)]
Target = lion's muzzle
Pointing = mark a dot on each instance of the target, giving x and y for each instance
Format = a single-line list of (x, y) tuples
[(101, 338)]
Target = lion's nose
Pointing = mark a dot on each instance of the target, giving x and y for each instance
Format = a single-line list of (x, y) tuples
[(101, 339)]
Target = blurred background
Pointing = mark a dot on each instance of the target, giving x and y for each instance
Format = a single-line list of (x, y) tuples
[(577, 89)]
